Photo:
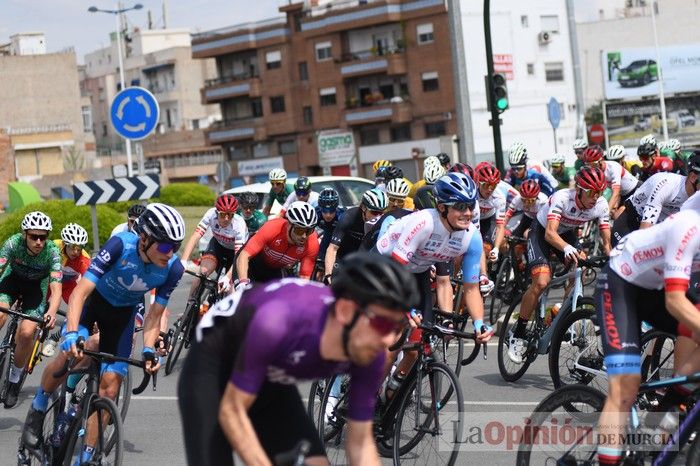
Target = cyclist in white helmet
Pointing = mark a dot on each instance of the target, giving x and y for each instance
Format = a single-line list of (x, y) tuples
[(74, 259), (559, 171), (279, 190), (579, 146)]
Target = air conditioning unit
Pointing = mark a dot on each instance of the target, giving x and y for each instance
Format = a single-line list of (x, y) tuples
[(544, 37)]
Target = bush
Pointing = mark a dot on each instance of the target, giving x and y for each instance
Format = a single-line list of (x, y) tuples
[(62, 212), (186, 194)]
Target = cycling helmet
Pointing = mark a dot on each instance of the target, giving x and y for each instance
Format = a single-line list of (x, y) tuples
[(36, 221), (592, 154), (444, 159), (591, 178), (302, 214), (693, 163), (381, 173), (557, 159), (74, 234), (648, 139), (162, 223), (226, 203), (455, 187), (530, 189), (277, 174), (487, 173), (398, 187), (374, 199), (136, 210), (673, 144), (375, 279), (432, 173), (646, 150), (462, 168), (303, 185), (579, 144), (328, 199), (392, 172), (248, 199), (430, 160), (616, 152), (380, 163), (517, 154)]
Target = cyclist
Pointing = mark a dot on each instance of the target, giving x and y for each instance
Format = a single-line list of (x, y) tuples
[(424, 197), (252, 347), (279, 244), (522, 169), (74, 259), (617, 153), (329, 214), (622, 182), (579, 146), (463, 168), (348, 234), (647, 280), (229, 234), (302, 192), (492, 203), (559, 171), (131, 215), (380, 163), (30, 265), (429, 161), (125, 268), (248, 209), (397, 191), (555, 231), (652, 162), (379, 169), (672, 150), (279, 191), (444, 160)]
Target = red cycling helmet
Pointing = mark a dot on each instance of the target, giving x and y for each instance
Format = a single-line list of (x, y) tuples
[(591, 178), (592, 154), (462, 168), (226, 203), (487, 173), (530, 189)]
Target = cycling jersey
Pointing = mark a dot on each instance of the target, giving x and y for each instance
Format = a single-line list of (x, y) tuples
[(326, 229), (547, 185), (617, 176), (416, 186), (693, 202), (424, 197), (381, 225), (281, 197), (659, 196), (71, 269), (562, 206), (563, 178), (660, 164), (255, 221), (530, 210), (349, 232), (122, 278), (313, 200), (232, 236), (16, 256), (493, 206), (121, 228), (508, 191), (272, 240)]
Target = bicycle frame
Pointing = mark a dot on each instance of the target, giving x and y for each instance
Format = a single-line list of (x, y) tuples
[(567, 307)]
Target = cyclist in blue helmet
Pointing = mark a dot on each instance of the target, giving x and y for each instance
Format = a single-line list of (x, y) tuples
[(329, 214)]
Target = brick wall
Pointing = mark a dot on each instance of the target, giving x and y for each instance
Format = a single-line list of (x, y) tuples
[(7, 167)]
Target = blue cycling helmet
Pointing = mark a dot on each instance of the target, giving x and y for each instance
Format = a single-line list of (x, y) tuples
[(328, 199), (455, 187)]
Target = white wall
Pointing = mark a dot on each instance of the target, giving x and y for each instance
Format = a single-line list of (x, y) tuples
[(159, 39), (28, 44)]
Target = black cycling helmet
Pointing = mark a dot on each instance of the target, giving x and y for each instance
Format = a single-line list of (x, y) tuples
[(444, 159), (302, 185), (248, 199), (646, 150), (392, 172), (693, 163), (136, 210), (328, 199)]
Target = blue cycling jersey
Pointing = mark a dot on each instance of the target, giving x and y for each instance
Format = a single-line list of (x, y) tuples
[(532, 174), (327, 229), (122, 278)]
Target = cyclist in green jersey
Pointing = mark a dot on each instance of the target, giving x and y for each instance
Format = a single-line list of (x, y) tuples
[(30, 264), (579, 146), (279, 191), (254, 219), (672, 150), (560, 171)]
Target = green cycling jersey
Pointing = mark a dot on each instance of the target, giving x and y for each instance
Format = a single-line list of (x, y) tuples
[(281, 197), (255, 221), (15, 255)]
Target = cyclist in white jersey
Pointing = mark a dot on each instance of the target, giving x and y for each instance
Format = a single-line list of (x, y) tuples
[(646, 279), (492, 203), (555, 232), (621, 182), (302, 192)]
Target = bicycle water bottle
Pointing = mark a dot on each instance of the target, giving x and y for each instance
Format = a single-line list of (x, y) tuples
[(62, 424)]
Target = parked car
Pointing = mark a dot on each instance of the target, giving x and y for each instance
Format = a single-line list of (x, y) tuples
[(683, 117), (642, 124), (638, 73)]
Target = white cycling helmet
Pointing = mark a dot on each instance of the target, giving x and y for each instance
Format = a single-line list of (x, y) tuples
[(648, 139), (301, 214), (673, 144), (36, 221), (375, 200), (517, 154), (397, 188), (579, 144), (161, 223), (74, 234), (432, 173), (430, 161), (277, 174), (557, 159), (616, 152)]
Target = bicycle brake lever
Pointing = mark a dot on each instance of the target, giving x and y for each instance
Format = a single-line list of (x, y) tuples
[(154, 378), (483, 330)]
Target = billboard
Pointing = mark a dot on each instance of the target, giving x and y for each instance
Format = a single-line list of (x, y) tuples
[(631, 73), (335, 147)]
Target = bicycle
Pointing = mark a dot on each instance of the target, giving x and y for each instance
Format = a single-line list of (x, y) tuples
[(511, 280)]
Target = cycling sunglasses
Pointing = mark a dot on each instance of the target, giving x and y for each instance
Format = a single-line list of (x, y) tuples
[(302, 192), (592, 193), (557, 165), (35, 237), (529, 200), (278, 183), (396, 200), (165, 247), (517, 168), (329, 210), (463, 206), (224, 214), (385, 325), (302, 231)]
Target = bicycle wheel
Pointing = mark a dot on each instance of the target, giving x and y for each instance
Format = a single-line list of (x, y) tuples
[(178, 338), (657, 355), (314, 404), (427, 431), (5, 365), (540, 443), (576, 352), (108, 425), (509, 370), (502, 293), (331, 423)]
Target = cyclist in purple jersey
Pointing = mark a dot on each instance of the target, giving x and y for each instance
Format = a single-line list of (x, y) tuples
[(253, 346)]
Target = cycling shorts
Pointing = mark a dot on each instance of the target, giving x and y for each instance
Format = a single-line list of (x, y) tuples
[(221, 256), (621, 308), (539, 250), (628, 221), (488, 229), (521, 226), (33, 293)]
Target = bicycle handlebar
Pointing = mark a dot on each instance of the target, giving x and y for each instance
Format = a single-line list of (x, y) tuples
[(38, 320), (516, 239), (201, 276)]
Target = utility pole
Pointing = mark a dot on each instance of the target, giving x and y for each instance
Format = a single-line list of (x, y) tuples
[(495, 121), (576, 62)]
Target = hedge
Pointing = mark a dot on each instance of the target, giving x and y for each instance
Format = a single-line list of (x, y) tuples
[(187, 194)]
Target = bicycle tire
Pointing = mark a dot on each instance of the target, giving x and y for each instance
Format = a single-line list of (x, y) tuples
[(179, 337), (5, 365), (693, 456), (102, 404), (332, 433), (501, 290), (408, 405), (503, 333), (561, 398), (315, 396), (652, 363)]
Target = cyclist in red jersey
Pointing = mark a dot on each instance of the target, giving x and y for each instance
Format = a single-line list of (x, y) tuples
[(652, 162), (279, 244)]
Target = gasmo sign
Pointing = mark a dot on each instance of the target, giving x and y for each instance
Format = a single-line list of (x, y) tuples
[(335, 148)]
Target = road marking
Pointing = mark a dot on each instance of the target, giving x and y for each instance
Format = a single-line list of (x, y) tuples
[(154, 398)]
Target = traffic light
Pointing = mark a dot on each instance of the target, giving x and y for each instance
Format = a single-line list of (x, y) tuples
[(499, 92)]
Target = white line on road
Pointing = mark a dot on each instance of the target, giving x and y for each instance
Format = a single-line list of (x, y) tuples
[(154, 398), (467, 403)]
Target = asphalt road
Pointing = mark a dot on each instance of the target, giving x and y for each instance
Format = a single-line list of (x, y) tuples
[(153, 434)]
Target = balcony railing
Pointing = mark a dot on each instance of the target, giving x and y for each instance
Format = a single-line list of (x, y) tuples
[(375, 99), (374, 52), (227, 122), (229, 77)]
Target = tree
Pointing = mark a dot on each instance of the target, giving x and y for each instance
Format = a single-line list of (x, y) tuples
[(594, 114)]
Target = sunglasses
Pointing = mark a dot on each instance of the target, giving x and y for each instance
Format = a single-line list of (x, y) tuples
[(592, 193), (486, 185), (302, 231), (396, 200), (34, 237), (463, 206), (224, 214), (385, 325), (518, 168), (278, 183), (557, 165), (74, 247), (529, 200), (300, 192), (328, 211), (167, 248)]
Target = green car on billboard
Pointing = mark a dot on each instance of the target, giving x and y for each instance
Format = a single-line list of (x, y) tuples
[(638, 73)]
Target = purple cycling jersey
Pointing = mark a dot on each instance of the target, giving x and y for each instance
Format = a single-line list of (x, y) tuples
[(276, 328)]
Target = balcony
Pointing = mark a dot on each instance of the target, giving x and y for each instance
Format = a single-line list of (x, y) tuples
[(229, 86), (399, 111), (236, 129), (391, 62), (239, 37)]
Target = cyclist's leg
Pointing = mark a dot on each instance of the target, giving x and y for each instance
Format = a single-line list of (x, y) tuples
[(538, 250), (34, 305), (8, 293), (207, 264)]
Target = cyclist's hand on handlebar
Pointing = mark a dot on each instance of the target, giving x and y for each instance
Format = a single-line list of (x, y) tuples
[(151, 360), (493, 255), (571, 253), (414, 318), (69, 344), (50, 319), (483, 332), (486, 285)]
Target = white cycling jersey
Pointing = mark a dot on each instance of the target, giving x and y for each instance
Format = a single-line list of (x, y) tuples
[(494, 205), (538, 167), (660, 196), (530, 210), (562, 206), (693, 202), (617, 176), (663, 256), (232, 236), (419, 240), (313, 200)]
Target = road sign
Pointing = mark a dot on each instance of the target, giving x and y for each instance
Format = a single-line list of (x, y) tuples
[(114, 190), (554, 112), (596, 134), (134, 113)]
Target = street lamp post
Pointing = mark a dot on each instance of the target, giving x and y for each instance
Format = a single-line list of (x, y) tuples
[(118, 11)]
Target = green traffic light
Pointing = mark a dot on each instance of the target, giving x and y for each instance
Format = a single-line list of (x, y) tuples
[(502, 104)]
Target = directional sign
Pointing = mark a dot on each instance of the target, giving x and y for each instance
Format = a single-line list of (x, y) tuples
[(134, 113), (554, 112), (118, 189)]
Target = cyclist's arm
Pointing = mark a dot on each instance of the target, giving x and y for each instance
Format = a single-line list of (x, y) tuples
[(444, 291), (606, 236), (551, 235), (252, 248), (76, 302), (307, 262), (501, 227), (236, 424), (202, 227), (339, 233), (329, 259), (359, 445), (152, 323), (680, 307)]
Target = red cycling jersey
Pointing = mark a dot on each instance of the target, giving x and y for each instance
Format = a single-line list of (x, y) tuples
[(661, 164), (278, 252)]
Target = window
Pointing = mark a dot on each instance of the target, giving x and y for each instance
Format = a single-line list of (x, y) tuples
[(549, 23), (87, 119), (273, 59), (554, 71), (323, 51), (327, 96), (277, 104), (401, 133), (531, 69), (369, 136), (104, 130), (435, 129), (256, 107), (430, 81), (308, 116), (287, 147), (524, 22), (425, 33), (303, 71), (261, 150), (562, 113)]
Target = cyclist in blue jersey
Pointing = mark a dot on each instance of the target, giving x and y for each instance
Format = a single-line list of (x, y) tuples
[(126, 267), (521, 169), (238, 381), (329, 214)]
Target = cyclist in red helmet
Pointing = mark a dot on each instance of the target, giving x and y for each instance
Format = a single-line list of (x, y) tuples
[(621, 182), (492, 202)]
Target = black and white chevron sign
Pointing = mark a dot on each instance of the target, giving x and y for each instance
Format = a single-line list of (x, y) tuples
[(117, 189)]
